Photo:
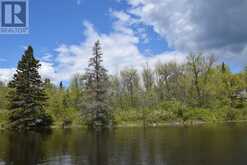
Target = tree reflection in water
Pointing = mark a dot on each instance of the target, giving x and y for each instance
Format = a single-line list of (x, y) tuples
[(127, 146)]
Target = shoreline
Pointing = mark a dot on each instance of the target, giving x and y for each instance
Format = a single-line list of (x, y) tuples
[(167, 124), (156, 125), (179, 124)]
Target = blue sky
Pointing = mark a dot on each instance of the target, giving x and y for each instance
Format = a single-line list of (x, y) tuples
[(132, 32), (55, 22)]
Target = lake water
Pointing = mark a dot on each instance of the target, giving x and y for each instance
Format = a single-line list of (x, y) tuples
[(205, 145)]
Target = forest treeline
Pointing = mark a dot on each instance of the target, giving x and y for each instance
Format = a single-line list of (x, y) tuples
[(200, 90)]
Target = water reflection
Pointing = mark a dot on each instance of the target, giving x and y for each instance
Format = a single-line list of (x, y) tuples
[(26, 148), (133, 146)]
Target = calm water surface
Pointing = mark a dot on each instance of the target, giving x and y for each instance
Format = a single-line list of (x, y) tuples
[(211, 145)]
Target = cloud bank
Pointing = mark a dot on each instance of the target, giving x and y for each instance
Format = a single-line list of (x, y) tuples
[(214, 26), (120, 48), (211, 26), (196, 24)]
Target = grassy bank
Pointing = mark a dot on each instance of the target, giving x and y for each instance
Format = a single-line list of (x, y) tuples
[(157, 116), (190, 116)]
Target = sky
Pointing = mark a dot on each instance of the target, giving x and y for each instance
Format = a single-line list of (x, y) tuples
[(132, 33)]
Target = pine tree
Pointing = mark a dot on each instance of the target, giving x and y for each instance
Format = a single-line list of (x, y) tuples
[(223, 68), (27, 99), (97, 85), (61, 85)]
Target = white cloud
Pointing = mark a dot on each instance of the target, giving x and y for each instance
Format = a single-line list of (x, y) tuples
[(47, 70), (47, 57), (120, 48), (120, 51), (215, 26), (6, 74)]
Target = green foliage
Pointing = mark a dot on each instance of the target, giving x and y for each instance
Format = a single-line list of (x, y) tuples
[(3, 97), (27, 99), (97, 109), (61, 105), (231, 114), (199, 114), (199, 91), (3, 118), (131, 116)]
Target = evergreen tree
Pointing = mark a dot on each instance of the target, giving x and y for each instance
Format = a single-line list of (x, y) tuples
[(97, 104), (61, 85), (223, 68), (27, 99)]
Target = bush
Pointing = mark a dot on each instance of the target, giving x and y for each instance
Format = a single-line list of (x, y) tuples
[(129, 116), (160, 116), (230, 114), (175, 108), (3, 117), (198, 114), (242, 114), (67, 117)]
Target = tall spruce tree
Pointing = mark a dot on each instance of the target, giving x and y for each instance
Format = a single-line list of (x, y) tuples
[(27, 99), (97, 85)]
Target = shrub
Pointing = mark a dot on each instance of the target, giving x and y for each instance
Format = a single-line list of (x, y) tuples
[(199, 114)]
